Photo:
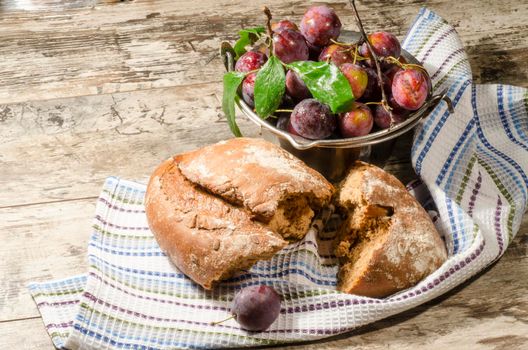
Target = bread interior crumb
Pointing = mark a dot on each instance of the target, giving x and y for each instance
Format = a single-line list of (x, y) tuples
[(293, 217), (365, 227)]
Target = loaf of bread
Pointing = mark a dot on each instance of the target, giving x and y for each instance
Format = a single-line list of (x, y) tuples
[(221, 208), (387, 242)]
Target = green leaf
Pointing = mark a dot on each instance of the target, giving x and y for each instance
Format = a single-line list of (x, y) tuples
[(232, 81), (269, 87), (247, 37), (326, 83)]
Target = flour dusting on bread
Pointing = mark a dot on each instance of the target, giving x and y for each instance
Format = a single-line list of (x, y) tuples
[(388, 242), (221, 208), (272, 185)]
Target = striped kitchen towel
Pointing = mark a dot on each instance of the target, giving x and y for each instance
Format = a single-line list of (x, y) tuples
[(473, 163)]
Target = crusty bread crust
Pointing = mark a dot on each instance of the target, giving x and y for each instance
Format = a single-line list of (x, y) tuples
[(399, 244), (205, 237), (254, 173), (221, 208), (263, 178)]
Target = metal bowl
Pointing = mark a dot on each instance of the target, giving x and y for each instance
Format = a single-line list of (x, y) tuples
[(332, 157)]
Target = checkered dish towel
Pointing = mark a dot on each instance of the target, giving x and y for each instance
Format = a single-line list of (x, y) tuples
[(474, 164)]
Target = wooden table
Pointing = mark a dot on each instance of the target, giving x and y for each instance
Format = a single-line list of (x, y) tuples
[(92, 88)]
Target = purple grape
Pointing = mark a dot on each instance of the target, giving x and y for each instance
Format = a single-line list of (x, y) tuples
[(384, 44), (282, 122), (295, 87), (410, 88), (396, 108), (255, 308), (314, 50), (357, 78), (357, 122), (290, 129), (287, 102), (372, 91), (313, 120), (382, 117), (248, 89), (284, 24), (290, 46), (336, 54), (249, 61), (319, 25)]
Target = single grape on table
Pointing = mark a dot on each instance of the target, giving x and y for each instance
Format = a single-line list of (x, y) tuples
[(255, 308)]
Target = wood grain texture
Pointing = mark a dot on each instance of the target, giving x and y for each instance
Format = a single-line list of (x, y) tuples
[(94, 47), (40, 242), (29, 334), (64, 149), (92, 88)]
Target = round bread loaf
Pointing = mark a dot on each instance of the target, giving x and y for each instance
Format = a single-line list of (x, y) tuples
[(221, 208), (272, 185), (387, 242)]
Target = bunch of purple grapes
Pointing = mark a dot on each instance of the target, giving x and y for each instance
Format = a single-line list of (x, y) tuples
[(406, 86)]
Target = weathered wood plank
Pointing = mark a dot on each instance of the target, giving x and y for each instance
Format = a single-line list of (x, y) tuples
[(25, 334), (89, 48), (39, 243), (499, 333), (64, 149)]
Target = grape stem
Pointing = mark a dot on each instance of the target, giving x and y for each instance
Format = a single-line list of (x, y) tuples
[(394, 60), (351, 47), (384, 102), (252, 71), (267, 12), (397, 62), (355, 54), (341, 43), (284, 110), (218, 322)]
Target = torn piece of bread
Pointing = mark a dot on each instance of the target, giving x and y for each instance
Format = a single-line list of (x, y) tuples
[(275, 187), (207, 239), (221, 208), (387, 242)]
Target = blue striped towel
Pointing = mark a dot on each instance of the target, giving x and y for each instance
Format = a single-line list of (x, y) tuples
[(473, 163)]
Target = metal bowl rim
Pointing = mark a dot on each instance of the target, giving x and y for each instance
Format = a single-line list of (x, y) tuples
[(377, 137)]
